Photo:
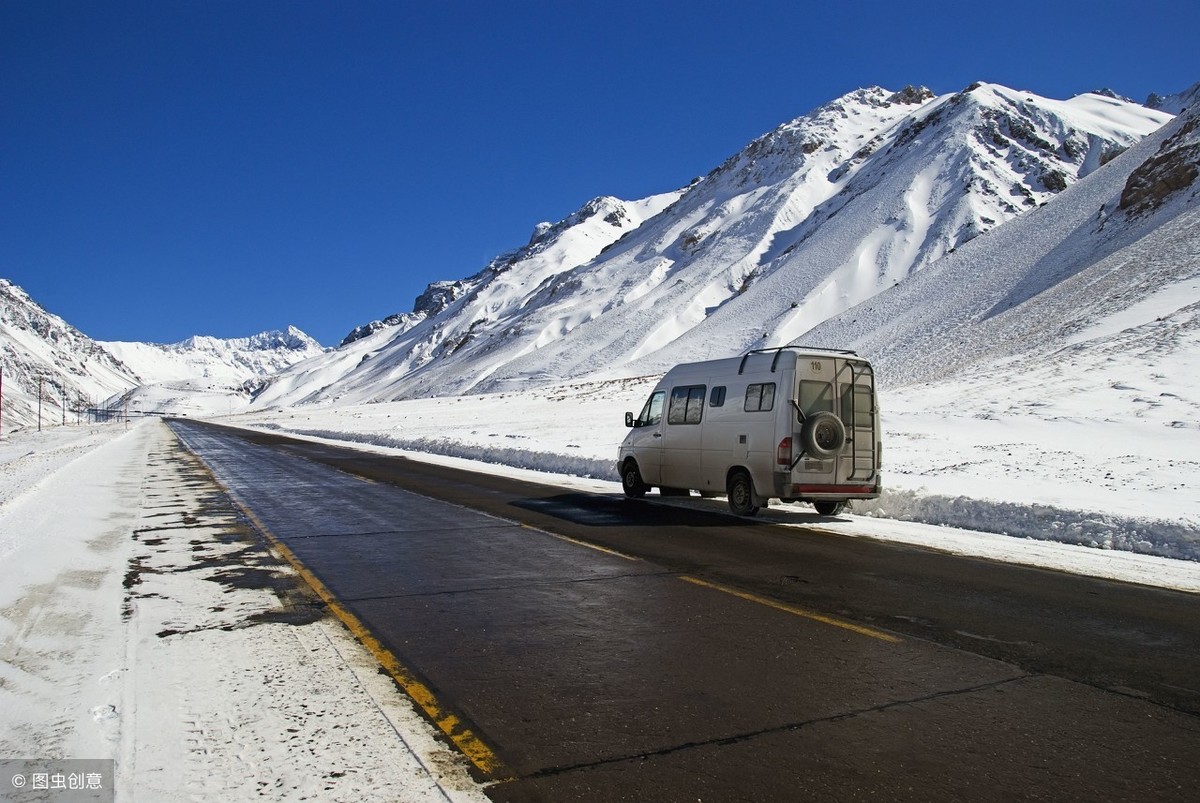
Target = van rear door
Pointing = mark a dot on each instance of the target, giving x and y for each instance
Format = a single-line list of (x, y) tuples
[(846, 389)]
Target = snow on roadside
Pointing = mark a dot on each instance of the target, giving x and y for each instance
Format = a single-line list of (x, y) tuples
[(141, 621), (1047, 461), (27, 456), (1073, 556)]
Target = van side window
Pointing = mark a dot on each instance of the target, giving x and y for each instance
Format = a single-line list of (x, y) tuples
[(652, 412), (687, 405), (760, 397), (815, 397), (717, 397)]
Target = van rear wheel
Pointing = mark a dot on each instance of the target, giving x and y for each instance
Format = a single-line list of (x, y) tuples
[(741, 494), (631, 481), (829, 508)]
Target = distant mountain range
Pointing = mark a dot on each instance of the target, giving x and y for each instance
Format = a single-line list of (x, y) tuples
[(230, 362), (43, 354), (804, 224), (928, 232)]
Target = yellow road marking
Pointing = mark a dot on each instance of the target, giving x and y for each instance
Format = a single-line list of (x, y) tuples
[(462, 736), (471, 746), (796, 610), (577, 542)]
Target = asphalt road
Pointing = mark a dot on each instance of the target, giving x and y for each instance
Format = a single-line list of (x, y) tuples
[(594, 648)]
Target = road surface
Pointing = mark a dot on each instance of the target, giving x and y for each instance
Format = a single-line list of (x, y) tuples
[(587, 647)]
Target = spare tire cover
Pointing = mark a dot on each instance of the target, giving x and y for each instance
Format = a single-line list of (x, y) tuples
[(823, 434)]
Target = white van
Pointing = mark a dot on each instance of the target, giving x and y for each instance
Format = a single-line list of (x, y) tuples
[(798, 425)]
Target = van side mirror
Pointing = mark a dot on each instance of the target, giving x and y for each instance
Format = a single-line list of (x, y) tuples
[(629, 419)]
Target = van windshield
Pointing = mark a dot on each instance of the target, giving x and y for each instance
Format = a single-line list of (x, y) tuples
[(652, 411)]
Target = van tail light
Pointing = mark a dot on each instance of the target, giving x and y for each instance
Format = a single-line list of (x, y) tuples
[(783, 455)]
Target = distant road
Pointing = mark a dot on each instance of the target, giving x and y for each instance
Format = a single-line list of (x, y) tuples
[(582, 647)]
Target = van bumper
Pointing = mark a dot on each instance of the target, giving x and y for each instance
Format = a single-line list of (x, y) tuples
[(794, 492)]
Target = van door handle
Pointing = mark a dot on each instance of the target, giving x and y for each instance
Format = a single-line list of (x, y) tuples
[(658, 434)]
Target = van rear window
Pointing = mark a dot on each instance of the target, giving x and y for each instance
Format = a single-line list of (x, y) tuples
[(858, 405), (815, 397), (687, 405)]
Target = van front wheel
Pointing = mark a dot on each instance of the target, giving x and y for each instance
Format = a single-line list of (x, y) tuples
[(741, 494), (631, 481)]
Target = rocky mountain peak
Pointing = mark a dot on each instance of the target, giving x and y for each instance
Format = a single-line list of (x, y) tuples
[(1176, 103), (1170, 172), (912, 95)]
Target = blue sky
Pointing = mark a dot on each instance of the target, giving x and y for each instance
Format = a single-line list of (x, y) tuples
[(222, 167)]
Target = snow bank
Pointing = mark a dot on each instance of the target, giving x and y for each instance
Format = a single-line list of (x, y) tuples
[(1042, 522), (578, 466), (1146, 536), (1045, 463)]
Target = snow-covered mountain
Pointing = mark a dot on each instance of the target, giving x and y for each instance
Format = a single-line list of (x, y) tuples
[(451, 315), (201, 375), (205, 376), (1176, 103), (808, 221), (40, 348), (1041, 380), (1112, 263), (222, 361)]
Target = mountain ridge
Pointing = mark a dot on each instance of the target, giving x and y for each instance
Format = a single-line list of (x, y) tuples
[(51, 370), (797, 233), (49, 364), (805, 222), (1029, 285)]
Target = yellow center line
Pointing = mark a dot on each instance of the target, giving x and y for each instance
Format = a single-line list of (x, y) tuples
[(796, 610)]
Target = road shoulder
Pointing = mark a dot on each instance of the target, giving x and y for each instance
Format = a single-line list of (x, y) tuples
[(148, 624)]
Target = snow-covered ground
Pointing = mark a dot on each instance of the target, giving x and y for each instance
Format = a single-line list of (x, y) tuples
[(140, 621)]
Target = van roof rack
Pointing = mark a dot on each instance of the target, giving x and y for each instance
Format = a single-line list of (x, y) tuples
[(780, 349)]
